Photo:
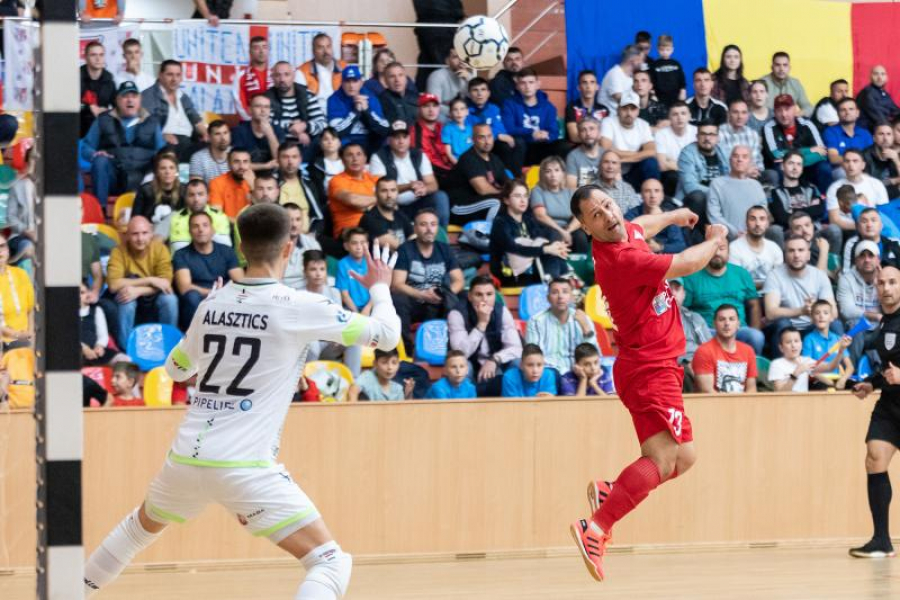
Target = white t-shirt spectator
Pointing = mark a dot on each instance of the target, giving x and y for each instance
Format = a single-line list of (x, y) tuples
[(670, 144), (760, 264), (781, 369), (871, 188), (615, 81), (626, 139), (406, 173)]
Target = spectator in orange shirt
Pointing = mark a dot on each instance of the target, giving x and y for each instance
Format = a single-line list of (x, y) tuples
[(101, 9), (352, 192), (231, 191)]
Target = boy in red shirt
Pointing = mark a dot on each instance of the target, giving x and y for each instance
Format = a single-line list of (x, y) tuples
[(723, 364), (650, 339), (124, 380)]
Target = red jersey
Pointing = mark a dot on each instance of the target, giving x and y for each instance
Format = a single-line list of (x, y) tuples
[(431, 144), (641, 304), (117, 401), (253, 83)]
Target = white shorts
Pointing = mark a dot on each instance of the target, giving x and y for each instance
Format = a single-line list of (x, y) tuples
[(266, 500)]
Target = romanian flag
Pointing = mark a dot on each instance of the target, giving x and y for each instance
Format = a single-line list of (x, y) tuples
[(827, 39)]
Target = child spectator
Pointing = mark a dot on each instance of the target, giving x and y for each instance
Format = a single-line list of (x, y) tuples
[(667, 74), (530, 379), (124, 380), (791, 372), (455, 383), (94, 333), (457, 133), (353, 294), (315, 272), (378, 384), (817, 342), (307, 391), (584, 378)]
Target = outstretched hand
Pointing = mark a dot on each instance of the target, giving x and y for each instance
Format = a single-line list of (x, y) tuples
[(379, 268), (685, 217)]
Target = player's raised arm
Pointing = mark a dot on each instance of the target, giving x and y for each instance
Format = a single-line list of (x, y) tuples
[(379, 330), (697, 257), (653, 224)]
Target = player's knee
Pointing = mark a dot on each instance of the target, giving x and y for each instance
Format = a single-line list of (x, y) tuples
[(330, 567), (876, 461), (665, 462)]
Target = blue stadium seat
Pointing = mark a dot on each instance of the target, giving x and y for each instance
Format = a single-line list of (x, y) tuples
[(150, 344), (431, 342), (484, 229), (533, 300), (864, 369)]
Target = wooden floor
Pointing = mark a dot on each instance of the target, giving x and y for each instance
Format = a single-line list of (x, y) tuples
[(748, 574)]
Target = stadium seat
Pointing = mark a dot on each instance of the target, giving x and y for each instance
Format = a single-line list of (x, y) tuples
[(583, 265), (431, 342), (91, 212), (454, 229), (522, 326), (595, 307), (332, 378), (123, 204), (603, 341), (864, 368), (483, 228), (150, 344), (98, 229), (532, 176), (762, 374), (533, 300), (158, 388)]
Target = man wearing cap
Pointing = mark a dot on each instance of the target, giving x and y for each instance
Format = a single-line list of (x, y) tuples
[(702, 106), (120, 144), (856, 294), (869, 228), (399, 101), (293, 107), (786, 132), (779, 82), (322, 74), (426, 136), (411, 169), (620, 78), (632, 139), (175, 111), (530, 118), (356, 114)]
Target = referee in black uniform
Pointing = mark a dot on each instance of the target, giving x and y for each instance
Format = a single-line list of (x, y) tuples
[(883, 437)]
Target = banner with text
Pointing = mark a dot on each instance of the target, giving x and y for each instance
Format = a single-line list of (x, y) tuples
[(214, 57)]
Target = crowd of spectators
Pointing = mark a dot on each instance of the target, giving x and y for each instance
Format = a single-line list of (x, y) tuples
[(798, 186)]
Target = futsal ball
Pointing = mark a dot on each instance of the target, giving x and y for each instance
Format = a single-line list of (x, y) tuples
[(481, 42)]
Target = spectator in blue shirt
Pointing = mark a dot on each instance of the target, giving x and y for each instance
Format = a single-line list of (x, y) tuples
[(198, 266), (356, 114), (531, 119), (483, 111), (455, 383), (584, 378), (259, 136), (846, 134), (457, 132), (353, 294), (531, 378)]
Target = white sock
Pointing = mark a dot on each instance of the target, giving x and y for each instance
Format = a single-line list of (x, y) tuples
[(115, 553)]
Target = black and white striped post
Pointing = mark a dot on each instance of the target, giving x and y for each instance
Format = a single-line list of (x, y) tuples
[(58, 409)]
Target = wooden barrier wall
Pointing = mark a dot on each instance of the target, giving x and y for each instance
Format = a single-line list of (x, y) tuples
[(490, 475)]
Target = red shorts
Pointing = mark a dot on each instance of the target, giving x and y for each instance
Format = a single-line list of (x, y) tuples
[(651, 391)]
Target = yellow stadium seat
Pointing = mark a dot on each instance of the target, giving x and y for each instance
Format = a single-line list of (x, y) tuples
[(209, 117), (158, 388), (101, 228), (120, 217), (332, 378), (454, 229), (532, 177), (595, 307)]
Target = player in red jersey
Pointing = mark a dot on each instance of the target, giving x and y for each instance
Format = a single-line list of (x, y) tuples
[(650, 339)]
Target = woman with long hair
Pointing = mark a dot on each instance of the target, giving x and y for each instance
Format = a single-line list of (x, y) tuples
[(729, 82), (522, 249), (760, 112), (550, 203), (162, 195)]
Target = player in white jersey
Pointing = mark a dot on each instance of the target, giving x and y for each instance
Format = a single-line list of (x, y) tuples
[(247, 346)]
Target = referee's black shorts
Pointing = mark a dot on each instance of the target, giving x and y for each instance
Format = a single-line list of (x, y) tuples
[(885, 422)]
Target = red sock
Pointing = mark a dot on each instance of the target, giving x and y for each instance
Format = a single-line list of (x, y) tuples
[(633, 485)]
